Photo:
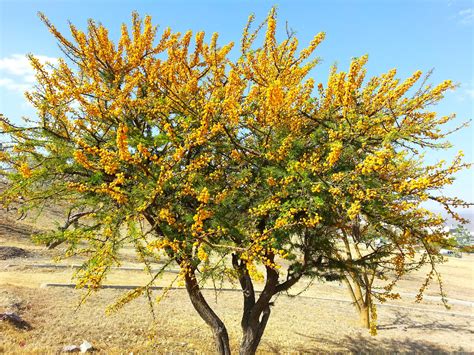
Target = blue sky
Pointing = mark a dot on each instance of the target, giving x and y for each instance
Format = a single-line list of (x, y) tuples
[(407, 35)]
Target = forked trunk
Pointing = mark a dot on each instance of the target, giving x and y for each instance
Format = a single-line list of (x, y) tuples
[(207, 314), (250, 342), (252, 333), (256, 312)]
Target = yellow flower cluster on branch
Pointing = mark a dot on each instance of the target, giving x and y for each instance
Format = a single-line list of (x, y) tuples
[(376, 162), (204, 196), (166, 215), (122, 144), (80, 157), (353, 210), (161, 244), (25, 170), (201, 215), (334, 154)]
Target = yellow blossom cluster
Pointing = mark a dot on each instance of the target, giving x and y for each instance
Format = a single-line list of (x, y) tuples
[(204, 196), (201, 215), (108, 161), (161, 244), (143, 151), (334, 154), (202, 254), (264, 208), (122, 144), (166, 215), (353, 210), (311, 221), (376, 161), (358, 192), (198, 163), (111, 190), (420, 183), (25, 170), (80, 157)]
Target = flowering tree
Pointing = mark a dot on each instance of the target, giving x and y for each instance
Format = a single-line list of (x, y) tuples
[(229, 168)]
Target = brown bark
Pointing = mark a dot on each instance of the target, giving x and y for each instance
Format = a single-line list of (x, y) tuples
[(198, 301), (207, 314), (256, 312), (253, 332)]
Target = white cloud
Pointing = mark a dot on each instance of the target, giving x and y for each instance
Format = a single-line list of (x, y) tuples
[(11, 84), (466, 91), (17, 73), (466, 16)]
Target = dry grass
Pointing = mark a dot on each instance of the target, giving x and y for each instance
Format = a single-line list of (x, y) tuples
[(304, 324), (328, 326)]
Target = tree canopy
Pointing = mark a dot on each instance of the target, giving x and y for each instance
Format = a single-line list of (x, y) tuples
[(241, 168)]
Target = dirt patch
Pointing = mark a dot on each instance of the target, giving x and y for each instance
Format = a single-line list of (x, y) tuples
[(13, 252)]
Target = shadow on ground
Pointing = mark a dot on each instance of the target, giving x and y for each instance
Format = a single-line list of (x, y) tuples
[(11, 229), (364, 344), (405, 322)]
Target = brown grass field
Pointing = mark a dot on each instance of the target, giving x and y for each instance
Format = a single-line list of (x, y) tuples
[(320, 320)]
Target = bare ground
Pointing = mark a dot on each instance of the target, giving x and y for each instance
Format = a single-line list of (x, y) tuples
[(321, 320)]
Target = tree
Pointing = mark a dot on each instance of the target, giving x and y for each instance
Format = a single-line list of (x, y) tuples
[(230, 168), (462, 236)]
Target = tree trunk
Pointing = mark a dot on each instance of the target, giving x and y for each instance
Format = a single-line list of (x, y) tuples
[(364, 316), (360, 300), (256, 312), (207, 314), (252, 334)]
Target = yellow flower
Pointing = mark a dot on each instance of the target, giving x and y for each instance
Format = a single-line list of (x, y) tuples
[(334, 154), (122, 144), (271, 181), (353, 210), (202, 255), (166, 215), (80, 157), (143, 150), (203, 196), (25, 170)]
